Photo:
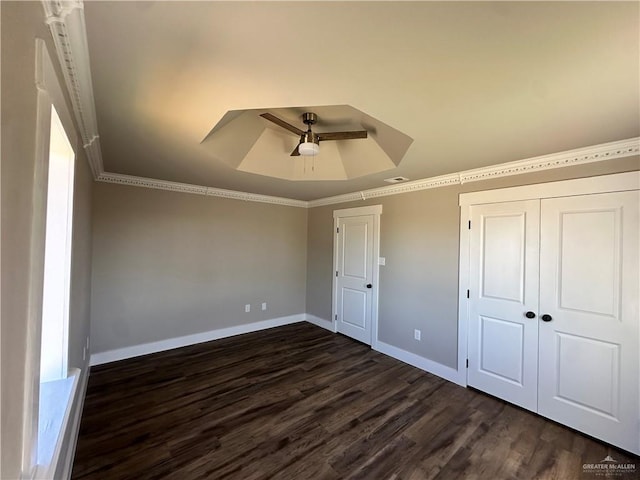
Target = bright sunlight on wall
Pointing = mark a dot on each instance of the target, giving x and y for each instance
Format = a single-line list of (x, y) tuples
[(57, 260)]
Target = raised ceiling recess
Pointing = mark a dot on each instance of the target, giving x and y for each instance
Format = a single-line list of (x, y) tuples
[(251, 141)]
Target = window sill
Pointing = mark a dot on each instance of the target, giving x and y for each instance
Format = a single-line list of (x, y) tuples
[(56, 400)]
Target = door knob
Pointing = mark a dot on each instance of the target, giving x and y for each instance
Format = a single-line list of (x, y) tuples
[(530, 315), (369, 285), (546, 317)]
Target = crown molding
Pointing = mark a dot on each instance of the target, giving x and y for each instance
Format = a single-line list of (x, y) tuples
[(133, 181), (423, 184), (579, 156), (66, 22)]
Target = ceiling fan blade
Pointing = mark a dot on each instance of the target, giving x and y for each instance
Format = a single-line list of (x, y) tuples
[(343, 135), (282, 123), (295, 152)]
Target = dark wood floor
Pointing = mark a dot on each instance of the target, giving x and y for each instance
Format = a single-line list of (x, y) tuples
[(298, 402)]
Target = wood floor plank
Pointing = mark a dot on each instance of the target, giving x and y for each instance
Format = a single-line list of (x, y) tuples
[(298, 402)]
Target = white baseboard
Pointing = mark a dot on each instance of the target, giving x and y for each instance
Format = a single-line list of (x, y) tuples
[(171, 343), (448, 373), (321, 322), (435, 368)]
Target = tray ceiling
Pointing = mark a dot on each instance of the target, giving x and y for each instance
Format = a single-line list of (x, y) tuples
[(250, 143), (472, 83)]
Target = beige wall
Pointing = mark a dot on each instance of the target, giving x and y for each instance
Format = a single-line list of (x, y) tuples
[(169, 264), (419, 237), (22, 22)]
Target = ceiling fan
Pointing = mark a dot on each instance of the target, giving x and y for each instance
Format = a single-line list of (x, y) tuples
[(310, 141)]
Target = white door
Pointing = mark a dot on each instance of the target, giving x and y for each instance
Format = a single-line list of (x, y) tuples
[(588, 355), (503, 341), (354, 276)]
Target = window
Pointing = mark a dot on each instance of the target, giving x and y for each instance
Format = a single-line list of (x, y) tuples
[(57, 258), (55, 387)]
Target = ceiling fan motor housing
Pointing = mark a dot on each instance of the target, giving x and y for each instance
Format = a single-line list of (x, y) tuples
[(309, 118)]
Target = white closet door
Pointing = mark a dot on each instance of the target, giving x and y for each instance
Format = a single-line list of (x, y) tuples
[(503, 341), (589, 288)]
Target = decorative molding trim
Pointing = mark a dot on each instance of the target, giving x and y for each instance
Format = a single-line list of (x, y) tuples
[(197, 189), (451, 374), (132, 181), (321, 322), (579, 156), (66, 22), (57, 10), (67, 25), (171, 343), (423, 184)]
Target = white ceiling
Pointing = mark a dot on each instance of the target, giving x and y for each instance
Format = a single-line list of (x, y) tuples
[(473, 83)]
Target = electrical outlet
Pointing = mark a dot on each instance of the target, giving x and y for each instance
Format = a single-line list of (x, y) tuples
[(417, 334), (264, 305), (247, 308)]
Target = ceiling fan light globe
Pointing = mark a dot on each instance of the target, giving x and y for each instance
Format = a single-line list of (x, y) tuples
[(308, 148)]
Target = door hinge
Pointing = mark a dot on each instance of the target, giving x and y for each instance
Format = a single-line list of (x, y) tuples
[(467, 293), (338, 230), (336, 273), (336, 316), (469, 224), (467, 363)]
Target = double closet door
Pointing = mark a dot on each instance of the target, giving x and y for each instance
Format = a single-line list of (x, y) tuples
[(554, 311)]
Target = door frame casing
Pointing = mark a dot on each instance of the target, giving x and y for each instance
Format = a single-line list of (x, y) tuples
[(376, 211), (618, 182)]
